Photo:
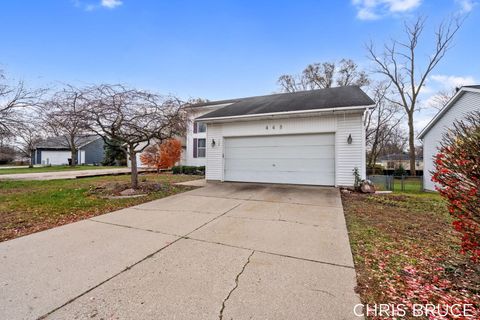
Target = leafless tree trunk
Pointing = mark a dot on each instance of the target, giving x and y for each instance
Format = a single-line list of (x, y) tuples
[(133, 162), (399, 64)]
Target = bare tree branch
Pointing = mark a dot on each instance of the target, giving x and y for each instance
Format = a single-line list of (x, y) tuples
[(399, 63)]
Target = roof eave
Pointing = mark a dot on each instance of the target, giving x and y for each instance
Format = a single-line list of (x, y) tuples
[(447, 107), (284, 113)]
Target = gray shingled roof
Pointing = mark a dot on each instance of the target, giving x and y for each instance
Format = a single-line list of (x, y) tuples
[(60, 142), (296, 101)]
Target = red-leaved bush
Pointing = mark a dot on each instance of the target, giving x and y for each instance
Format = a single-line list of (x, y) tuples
[(163, 156), (457, 171)]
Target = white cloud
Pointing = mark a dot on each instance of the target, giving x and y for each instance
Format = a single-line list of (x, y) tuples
[(466, 5), (375, 9), (91, 6), (438, 85), (111, 4), (450, 82)]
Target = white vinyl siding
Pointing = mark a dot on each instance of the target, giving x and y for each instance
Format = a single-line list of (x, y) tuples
[(468, 102), (347, 156), (296, 159)]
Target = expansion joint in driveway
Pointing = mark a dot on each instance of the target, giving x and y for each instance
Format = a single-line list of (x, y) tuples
[(220, 316), (272, 253), (134, 228), (269, 201)]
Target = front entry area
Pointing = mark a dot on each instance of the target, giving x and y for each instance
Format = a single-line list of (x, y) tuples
[(295, 159)]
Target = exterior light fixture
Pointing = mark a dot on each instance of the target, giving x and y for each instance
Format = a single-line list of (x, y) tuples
[(213, 143), (349, 139)]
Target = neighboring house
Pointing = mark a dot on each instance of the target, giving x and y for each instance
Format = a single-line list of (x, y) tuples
[(55, 151), (394, 161), (466, 100), (311, 137)]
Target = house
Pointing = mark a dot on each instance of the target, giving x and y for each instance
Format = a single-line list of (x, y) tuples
[(312, 137), (394, 161), (466, 100), (55, 151)]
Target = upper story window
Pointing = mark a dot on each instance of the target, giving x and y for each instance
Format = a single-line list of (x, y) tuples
[(199, 127)]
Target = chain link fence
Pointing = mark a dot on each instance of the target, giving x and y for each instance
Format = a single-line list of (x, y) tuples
[(397, 183)]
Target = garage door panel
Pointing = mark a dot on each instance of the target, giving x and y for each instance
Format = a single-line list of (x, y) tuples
[(297, 159), (56, 157), (281, 140), (281, 165), (280, 152), (286, 177)]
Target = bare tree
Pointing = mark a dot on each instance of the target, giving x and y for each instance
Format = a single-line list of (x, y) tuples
[(324, 75), (399, 63), (381, 123), (64, 115), (15, 99), (441, 98), (28, 136), (134, 118)]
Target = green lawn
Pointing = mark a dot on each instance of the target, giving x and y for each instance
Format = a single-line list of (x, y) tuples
[(51, 169), (406, 251), (30, 206)]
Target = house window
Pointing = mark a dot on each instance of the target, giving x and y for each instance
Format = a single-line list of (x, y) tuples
[(199, 127), (202, 127), (201, 148), (391, 165)]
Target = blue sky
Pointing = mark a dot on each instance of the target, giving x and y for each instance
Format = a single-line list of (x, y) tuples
[(213, 49)]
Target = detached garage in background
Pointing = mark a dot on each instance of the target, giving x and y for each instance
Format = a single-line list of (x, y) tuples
[(55, 151), (311, 137)]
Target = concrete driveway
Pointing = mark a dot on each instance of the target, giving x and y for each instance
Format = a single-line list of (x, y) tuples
[(225, 251)]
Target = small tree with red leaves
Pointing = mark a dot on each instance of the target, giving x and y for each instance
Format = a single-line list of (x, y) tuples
[(457, 172), (162, 156)]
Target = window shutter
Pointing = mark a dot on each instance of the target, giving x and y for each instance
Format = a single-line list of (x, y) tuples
[(195, 146), (194, 127)]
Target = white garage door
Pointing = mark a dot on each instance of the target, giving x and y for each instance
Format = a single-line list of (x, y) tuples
[(56, 157), (296, 159)]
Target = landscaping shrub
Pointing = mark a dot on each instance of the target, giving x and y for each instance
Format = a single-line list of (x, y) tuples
[(400, 171), (177, 169), (162, 156), (192, 170), (457, 171)]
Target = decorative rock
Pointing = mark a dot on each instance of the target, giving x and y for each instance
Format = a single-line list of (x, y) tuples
[(367, 188), (128, 192)]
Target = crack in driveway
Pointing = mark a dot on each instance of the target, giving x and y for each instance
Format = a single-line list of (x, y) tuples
[(220, 316)]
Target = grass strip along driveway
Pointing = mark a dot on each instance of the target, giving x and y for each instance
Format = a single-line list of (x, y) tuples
[(406, 251), (31, 206), (11, 170)]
